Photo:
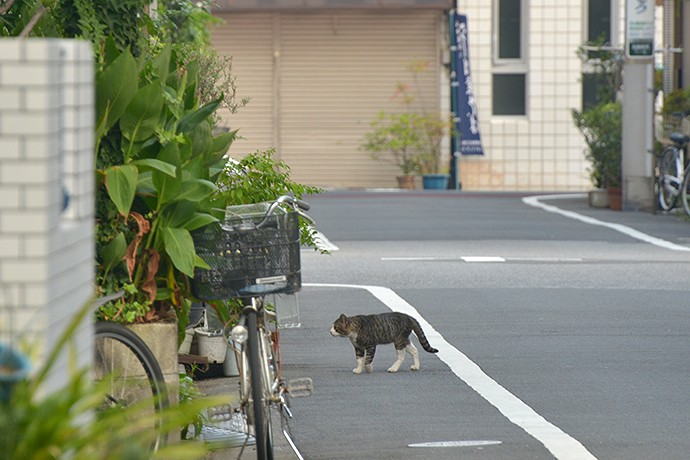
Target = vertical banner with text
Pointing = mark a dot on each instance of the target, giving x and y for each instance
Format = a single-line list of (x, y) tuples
[(463, 104), (639, 29)]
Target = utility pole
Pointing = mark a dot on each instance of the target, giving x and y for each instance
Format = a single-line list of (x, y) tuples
[(638, 106)]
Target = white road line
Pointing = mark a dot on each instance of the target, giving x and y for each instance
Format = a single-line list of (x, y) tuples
[(559, 443), (482, 259), (631, 232)]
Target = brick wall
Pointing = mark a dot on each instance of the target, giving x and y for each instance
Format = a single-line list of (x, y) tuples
[(46, 147)]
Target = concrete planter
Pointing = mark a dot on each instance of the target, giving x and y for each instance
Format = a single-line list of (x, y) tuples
[(161, 338), (598, 198)]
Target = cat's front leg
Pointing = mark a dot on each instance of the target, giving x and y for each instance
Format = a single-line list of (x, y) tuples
[(369, 357), (359, 354)]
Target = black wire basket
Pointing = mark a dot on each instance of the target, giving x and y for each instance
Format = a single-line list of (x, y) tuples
[(247, 260)]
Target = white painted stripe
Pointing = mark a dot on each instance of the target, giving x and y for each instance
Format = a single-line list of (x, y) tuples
[(455, 444), (631, 232), (483, 259), (559, 443), (414, 259)]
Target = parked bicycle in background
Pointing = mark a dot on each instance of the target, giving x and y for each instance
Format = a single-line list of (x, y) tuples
[(673, 171)]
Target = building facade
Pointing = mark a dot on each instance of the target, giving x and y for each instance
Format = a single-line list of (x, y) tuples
[(319, 71)]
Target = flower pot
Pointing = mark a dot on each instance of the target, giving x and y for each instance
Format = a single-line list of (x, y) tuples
[(435, 181), (406, 182), (212, 345), (599, 198), (14, 367), (615, 198)]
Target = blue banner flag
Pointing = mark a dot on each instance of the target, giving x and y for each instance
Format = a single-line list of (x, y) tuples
[(463, 103)]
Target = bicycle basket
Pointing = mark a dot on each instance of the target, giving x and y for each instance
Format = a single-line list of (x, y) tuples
[(245, 259), (666, 124)]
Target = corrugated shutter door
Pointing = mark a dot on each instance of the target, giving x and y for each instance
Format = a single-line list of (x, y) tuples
[(337, 71), (334, 72), (247, 38)]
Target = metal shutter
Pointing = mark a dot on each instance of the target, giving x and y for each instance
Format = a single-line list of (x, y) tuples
[(333, 72)]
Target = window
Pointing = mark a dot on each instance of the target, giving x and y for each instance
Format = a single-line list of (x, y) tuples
[(509, 39), (599, 20), (509, 94), (597, 29), (509, 60)]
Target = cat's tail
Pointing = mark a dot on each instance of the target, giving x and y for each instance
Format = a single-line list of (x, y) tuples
[(422, 338)]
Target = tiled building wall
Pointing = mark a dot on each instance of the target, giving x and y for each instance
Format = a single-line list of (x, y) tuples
[(46, 151), (541, 151)]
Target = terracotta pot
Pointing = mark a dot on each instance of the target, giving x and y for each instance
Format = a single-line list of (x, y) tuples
[(615, 198), (406, 182)]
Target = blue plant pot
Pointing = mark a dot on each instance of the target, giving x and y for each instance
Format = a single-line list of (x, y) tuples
[(14, 367), (435, 181)]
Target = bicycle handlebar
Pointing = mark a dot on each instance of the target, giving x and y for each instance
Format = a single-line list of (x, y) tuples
[(297, 204)]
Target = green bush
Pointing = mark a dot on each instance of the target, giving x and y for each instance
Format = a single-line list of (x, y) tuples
[(601, 127)]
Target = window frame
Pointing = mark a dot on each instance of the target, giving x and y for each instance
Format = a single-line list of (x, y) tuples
[(510, 65)]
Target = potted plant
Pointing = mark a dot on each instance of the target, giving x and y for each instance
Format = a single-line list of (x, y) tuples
[(394, 138), (412, 138), (601, 127)]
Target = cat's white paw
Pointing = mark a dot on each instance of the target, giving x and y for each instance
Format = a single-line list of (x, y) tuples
[(356, 370), (392, 370), (414, 368), (369, 368)]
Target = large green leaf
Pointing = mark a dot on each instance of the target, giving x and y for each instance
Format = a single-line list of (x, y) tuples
[(115, 89), (189, 121), (113, 252), (167, 186), (195, 190), (121, 182), (179, 245), (162, 62), (142, 115), (148, 164), (198, 220)]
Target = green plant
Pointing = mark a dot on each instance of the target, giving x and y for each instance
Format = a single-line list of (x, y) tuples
[(601, 127), (677, 101), (260, 177), (410, 139), (72, 423), (157, 163)]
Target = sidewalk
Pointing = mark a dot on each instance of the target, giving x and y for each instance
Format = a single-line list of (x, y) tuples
[(229, 443)]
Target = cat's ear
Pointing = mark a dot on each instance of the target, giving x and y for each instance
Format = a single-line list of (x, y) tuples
[(342, 317)]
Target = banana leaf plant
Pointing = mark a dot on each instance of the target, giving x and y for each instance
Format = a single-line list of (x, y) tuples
[(157, 161)]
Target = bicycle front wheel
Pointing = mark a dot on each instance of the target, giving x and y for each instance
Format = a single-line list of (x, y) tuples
[(260, 401), (131, 374), (670, 178)]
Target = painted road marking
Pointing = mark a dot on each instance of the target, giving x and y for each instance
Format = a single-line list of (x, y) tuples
[(559, 443), (455, 444), (624, 229), (481, 259)]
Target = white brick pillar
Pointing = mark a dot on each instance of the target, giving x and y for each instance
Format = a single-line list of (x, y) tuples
[(46, 146)]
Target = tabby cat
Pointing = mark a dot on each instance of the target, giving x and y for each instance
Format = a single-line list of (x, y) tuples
[(367, 331)]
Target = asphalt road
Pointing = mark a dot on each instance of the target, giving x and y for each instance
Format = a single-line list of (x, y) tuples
[(564, 333)]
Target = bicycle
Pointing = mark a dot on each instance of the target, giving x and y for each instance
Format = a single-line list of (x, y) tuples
[(253, 253), (672, 167), (132, 372)]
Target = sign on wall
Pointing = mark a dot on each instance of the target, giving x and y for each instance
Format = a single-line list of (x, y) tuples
[(639, 29)]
